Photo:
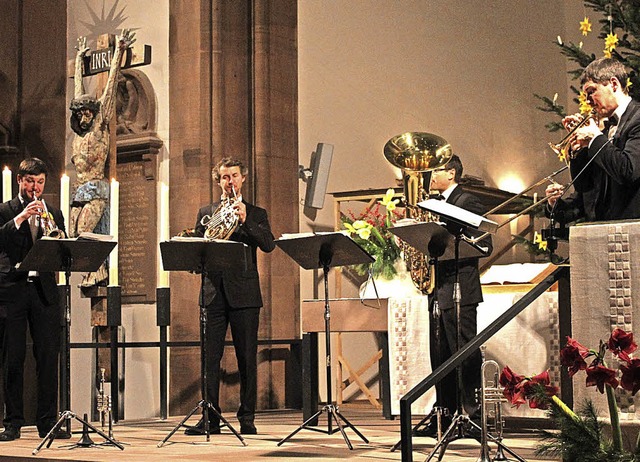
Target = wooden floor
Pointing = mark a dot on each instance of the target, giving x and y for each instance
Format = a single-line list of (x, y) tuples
[(141, 438)]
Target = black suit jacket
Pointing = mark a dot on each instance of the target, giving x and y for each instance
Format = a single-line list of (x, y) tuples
[(15, 243), (242, 285), (469, 276), (609, 187)]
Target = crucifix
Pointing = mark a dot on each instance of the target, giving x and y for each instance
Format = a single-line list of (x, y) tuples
[(93, 119)]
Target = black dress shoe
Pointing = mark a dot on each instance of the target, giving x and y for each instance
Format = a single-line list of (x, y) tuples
[(248, 429), (198, 429), (10, 433)]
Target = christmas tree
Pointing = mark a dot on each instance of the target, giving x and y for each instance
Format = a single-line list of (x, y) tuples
[(620, 34)]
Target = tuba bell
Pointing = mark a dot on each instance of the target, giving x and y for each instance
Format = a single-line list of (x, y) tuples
[(417, 154)]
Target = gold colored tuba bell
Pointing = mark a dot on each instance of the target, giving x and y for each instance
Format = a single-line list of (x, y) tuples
[(416, 154)]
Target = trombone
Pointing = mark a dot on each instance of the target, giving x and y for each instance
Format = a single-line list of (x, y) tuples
[(475, 240)]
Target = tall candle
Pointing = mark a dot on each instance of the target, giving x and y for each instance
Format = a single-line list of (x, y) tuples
[(163, 276), (64, 198), (113, 211), (6, 184)]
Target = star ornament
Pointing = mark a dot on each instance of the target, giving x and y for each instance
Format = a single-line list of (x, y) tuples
[(585, 26), (610, 42)]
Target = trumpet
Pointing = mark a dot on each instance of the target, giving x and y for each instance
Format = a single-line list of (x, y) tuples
[(48, 224), (563, 148), (490, 398)]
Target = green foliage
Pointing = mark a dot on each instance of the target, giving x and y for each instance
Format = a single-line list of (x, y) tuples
[(580, 440), (620, 17)]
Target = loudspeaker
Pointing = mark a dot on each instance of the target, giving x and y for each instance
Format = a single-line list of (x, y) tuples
[(317, 176)]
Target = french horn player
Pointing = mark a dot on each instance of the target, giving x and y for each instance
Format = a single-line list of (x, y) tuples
[(605, 162), (232, 297)]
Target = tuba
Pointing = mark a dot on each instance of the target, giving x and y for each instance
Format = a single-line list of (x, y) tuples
[(224, 220), (417, 154)]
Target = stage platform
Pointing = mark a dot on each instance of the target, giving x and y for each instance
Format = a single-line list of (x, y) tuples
[(142, 437)]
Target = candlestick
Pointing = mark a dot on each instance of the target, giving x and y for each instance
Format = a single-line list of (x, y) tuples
[(163, 276), (113, 212), (6, 184)]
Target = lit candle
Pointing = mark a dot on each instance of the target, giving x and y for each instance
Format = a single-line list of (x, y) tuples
[(64, 198), (163, 276), (6, 184), (113, 211)]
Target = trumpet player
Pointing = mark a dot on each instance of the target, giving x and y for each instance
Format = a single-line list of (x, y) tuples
[(609, 186), (28, 298), (232, 297)]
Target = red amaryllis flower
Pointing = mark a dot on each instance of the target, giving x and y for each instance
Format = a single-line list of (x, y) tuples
[(630, 379), (538, 390), (622, 342), (572, 357), (511, 382), (599, 376)]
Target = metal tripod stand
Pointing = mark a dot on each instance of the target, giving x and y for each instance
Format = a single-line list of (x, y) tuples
[(333, 413)]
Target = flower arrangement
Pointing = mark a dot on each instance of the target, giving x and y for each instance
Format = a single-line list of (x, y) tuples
[(581, 437), (370, 230)]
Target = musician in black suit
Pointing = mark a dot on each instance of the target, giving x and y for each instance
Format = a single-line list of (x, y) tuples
[(609, 187), (442, 331), (28, 298), (232, 297)]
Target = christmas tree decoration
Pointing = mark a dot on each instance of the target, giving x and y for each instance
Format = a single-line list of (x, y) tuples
[(585, 26)]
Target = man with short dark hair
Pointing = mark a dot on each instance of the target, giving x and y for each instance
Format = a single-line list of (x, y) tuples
[(29, 298), (233, 298), (443, 331), (609, 187)]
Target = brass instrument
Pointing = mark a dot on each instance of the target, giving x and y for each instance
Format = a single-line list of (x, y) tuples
[(224, 220), (103, 403), (490, 398), (563, 148), (48, 224), (417, 154)]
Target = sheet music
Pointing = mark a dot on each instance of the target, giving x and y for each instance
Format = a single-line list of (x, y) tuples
[(450, 211)]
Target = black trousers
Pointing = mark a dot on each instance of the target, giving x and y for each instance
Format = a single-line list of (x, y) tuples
[(44, 321), (442, 334), (244, 331)]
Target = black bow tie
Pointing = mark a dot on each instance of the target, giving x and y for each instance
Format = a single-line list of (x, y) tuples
[(438, 197)]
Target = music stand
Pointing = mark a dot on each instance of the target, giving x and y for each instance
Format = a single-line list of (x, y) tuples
[(67, 256), (324, 251), (459, 246), (201, 256), (434, 240)]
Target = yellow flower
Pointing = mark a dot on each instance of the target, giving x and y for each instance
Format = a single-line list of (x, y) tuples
[(388, 201), (610, 42), (362, 229), (585, 107), (607, 53), (629, 83), (537, 239), (585, 26)]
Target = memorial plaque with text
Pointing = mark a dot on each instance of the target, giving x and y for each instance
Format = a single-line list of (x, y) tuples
[(137, 234)]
